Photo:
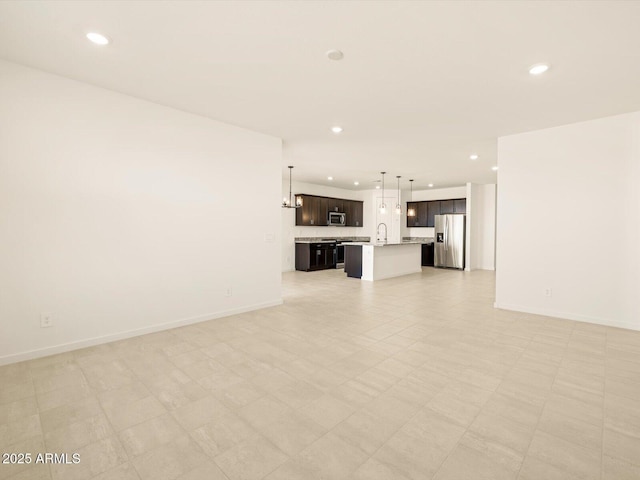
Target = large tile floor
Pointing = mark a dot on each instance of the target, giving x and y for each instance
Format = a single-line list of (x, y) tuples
[(417, 377)]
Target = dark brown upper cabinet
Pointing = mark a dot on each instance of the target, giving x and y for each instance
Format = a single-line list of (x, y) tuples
[(315, 210), (413, 220), (446, 206), (305, 213), (335, 204), (460, 205), (310, 213), (357, 214), (323, 211), (427, 210), (433, 209)]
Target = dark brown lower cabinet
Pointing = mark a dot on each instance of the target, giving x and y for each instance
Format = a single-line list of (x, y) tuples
[(315, 256), (427, 254), (353, 260)]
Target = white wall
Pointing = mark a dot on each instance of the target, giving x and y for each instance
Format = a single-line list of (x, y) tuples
[(120, 216), (481, 226), (569, 220), (393, 222), (290, 231)]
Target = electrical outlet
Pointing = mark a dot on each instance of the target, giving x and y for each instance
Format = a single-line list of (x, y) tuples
[(228, 292), (46, 320), (548, 292)]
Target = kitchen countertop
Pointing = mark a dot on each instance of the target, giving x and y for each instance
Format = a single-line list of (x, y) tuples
[(418, 239), (332, 240), (315, 241), (387, 244)]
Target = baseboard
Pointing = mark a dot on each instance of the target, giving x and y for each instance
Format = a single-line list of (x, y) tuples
[(568, 315), (386, 277), (112, 337)]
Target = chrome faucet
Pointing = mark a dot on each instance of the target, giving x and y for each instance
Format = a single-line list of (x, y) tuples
[(385, 232)]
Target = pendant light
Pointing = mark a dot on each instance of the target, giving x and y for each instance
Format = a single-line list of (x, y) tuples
[(383, 207), (288, 202), (411, 212), (398, 206)]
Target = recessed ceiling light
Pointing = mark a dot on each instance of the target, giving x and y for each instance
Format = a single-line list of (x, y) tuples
[(377, 187), (473, 156), (356, 183), (335, 55), (329, 178), (336, 129), (495, 168), (538, 68), (98, 38), (430, 185)]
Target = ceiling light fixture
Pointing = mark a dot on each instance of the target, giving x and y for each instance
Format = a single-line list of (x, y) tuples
[(335, 55), (337, 129), (98, 38), (430, 185), (411, 212), (383, 207), (377, 187), (329, 178), (538, 68), (473, 156), (495, 168), (398, 206), (288, 202), (356, 183)]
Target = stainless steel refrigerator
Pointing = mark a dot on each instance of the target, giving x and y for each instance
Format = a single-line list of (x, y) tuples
[(449, 241)]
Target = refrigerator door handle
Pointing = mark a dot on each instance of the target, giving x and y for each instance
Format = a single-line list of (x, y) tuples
[(446, 231)]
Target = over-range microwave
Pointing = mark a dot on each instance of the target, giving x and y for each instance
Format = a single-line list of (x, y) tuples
[(337, 219)]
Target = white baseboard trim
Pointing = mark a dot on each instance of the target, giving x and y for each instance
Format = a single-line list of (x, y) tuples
[(112, 337), (568, 315), (385, 277)]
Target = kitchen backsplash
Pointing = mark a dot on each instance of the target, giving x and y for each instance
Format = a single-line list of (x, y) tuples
[(313, 239), (418, 239)]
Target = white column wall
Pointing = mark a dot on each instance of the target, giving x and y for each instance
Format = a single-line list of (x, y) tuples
[(568, 237)]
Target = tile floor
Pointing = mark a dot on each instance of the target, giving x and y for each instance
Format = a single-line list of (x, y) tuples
[(417, 377)]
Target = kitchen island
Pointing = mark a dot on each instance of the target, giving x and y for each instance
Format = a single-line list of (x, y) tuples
[(377, 261)]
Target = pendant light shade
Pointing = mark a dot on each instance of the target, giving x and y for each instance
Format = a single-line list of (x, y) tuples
[(398, 206), (288, 202), (411, 212), (383, 207)]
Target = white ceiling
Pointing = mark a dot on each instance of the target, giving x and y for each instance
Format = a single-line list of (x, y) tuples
[(421, 87)]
